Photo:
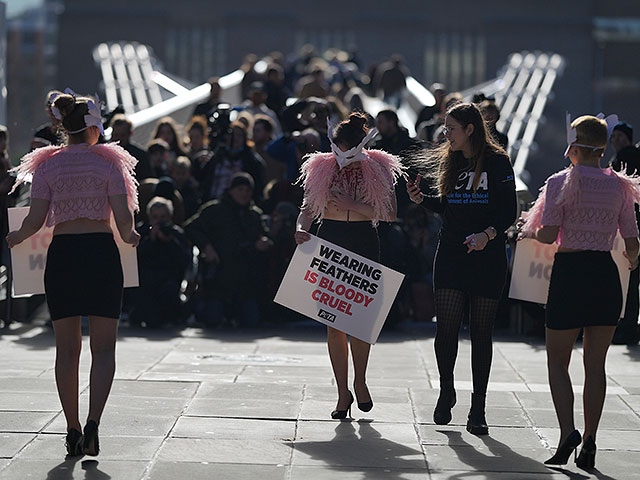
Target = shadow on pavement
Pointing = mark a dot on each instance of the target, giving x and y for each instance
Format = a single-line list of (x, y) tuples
[(499, 455), (365, 450), (64, 471)]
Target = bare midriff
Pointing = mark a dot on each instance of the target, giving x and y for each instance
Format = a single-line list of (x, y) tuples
[(82, 225), (332, 213)]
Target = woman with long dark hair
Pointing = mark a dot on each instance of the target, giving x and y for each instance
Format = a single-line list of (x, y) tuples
[(582, 208), (349, 191), (477, 200), (75, 189)]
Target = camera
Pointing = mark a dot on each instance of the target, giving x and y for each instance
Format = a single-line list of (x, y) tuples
[(218, 122)]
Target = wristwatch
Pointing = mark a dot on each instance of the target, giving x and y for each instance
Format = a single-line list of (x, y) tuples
[(491, 232)]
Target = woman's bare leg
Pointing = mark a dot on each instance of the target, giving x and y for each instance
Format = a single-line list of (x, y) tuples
[(68, 348), (559, 347), (339, 356), (595, 343), (104, 333)]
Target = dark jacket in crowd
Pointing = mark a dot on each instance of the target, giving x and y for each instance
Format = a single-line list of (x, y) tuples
[(232, 230), (162, 263), (249, 162), (628, 159), (143, 168)]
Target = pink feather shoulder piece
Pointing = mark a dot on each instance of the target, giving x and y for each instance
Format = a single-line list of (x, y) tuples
[(380, 171), (30, 163), (126, 163)]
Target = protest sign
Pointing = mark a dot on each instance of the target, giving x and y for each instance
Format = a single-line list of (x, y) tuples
[(532, 270), (339, 288), (28, 259)]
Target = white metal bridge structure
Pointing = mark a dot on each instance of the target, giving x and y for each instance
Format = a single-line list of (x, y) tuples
[(133, 78)]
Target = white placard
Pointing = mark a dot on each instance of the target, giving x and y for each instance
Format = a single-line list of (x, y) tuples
[(30, 257), (339, 288), (532, 266)]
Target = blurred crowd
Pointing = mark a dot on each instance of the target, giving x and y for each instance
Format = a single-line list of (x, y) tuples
[(218, 198)]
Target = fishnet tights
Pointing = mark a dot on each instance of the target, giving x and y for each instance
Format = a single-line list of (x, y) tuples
[(449, 314)]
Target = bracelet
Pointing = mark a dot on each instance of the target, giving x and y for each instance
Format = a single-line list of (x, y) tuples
[(488, 237)]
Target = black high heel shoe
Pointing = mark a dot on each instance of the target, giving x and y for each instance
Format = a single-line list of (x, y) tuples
[(73, 442), (446, 401), (91, 444), (340, 414), (563, 453), (364, 406), (587, 458)]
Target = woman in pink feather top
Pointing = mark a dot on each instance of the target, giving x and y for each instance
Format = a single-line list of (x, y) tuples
[(349, 191)]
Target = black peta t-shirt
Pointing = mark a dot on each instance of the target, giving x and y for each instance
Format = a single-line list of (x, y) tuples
[(466, 211)]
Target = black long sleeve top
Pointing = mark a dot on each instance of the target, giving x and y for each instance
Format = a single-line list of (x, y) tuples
[(465, 212)]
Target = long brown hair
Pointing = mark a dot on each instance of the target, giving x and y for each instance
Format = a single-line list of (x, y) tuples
[(446, 164)]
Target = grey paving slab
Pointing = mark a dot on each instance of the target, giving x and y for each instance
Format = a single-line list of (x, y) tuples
[(354, 473), (51, 447), (423, 396), (133, 424), (622, 440), (471, 475), (27, 422), (21, 384), (493, 456), (248, 391), (543, 400), (546, 418), (254, 408), (154, 389), (12, 443), (164, 470), (82, 468), (29, 401), (496, 416), (233, 428), (523, 437), (364, 430), (379, 394), (381, 412), (244, 451)]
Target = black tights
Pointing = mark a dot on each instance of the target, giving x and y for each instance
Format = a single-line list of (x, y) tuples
[(449, 314)]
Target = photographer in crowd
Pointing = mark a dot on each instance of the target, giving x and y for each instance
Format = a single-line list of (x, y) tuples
[(163, 257), (232, 241)]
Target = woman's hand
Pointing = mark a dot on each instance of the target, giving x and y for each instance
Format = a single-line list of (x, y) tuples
[(519, 226), (134, 238), (14, 238), (633, 261), (476, 241), (301, 236), (342, 202), (413, 189)]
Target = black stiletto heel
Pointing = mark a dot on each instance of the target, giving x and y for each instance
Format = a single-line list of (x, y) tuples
[(91, 444), (340, 414), (73, 442), (364, 406), (587, 458), (564, 451), (476, 420)]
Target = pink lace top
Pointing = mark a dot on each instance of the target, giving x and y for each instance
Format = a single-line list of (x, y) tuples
[(78, 179), (589, 205)]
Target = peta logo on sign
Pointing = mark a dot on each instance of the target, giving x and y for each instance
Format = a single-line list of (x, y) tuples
[(328, 316)]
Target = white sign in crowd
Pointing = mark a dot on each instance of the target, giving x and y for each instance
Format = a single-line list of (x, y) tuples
[(339, 288), (30, 257)]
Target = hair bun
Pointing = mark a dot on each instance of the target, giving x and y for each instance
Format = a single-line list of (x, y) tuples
[(65, 103), (357, 119)]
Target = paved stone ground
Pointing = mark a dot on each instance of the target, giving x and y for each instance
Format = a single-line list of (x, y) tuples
[(245, 405)]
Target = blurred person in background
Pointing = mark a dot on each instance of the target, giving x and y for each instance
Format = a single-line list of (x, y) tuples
[(169, 131), (121, 131), (204, 109), (186, 185), (232, 240)]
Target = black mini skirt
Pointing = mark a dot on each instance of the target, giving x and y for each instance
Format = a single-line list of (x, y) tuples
[(584, 290), (83, 276), (359, 237), (479, 273)]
